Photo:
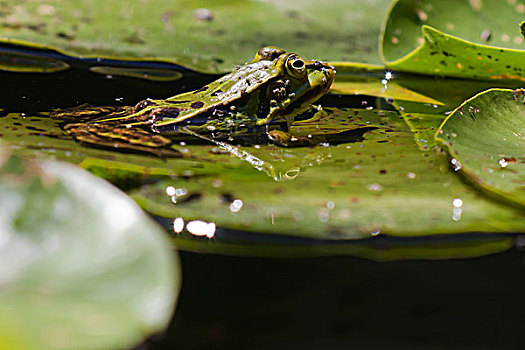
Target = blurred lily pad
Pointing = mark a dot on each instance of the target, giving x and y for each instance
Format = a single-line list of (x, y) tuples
[(468, 39), (485, 136), (210, 36), (81, 267)]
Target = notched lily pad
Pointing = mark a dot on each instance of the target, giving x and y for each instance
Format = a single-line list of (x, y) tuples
[(469, 39), (80, 265), (485, 136)]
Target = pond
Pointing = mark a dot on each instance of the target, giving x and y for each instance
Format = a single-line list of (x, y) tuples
[(385, 211)]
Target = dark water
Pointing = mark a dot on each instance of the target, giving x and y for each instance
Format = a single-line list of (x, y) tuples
[(348, 303), (317, 303)]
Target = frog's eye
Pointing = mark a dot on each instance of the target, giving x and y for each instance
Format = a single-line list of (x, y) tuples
[(296, 66)]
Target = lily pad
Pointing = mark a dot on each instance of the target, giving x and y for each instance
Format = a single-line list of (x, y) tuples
[(468, 39), (81, 267), (378, 184), (210, 36), (485, 137)]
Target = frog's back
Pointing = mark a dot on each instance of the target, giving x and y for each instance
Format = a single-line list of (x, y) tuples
[(222, 92)]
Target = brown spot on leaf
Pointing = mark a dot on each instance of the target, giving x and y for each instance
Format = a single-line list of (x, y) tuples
[(197, 104)]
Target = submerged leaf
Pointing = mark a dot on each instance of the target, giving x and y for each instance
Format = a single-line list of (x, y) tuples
[(485, 137)]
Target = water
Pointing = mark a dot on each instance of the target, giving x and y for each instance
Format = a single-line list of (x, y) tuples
[(345, 303)]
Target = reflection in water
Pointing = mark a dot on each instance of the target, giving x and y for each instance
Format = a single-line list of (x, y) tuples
[(254, 161)]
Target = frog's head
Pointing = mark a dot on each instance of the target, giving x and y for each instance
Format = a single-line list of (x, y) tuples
[(298, 83)]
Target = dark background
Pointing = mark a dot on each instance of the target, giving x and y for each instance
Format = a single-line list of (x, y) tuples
[(348, 303)]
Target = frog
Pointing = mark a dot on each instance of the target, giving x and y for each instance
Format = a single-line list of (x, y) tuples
[(266, 95)]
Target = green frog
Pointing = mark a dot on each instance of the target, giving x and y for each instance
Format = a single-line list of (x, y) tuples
[(266, 94)]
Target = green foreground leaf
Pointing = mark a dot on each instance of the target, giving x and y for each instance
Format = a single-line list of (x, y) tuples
[(81, 267), (486, 135)]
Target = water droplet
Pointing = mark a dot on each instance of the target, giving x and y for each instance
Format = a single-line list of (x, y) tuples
[(374, 187), (170, 191), (330, 205), (201, 228), (178, 225), (456, 164), (457, 202), (411, 175), (236, 205), (503, 162), (375, 233)]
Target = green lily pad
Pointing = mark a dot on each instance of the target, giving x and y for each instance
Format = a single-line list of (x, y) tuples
[(81, 267), (211, 36), (485, 136), (380, 184), (468, 39)]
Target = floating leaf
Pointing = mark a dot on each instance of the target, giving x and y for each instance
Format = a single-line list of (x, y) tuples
[(485, 136), (81, 267), (469, 39), (380, 183), (205, 35), (15, 60)]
